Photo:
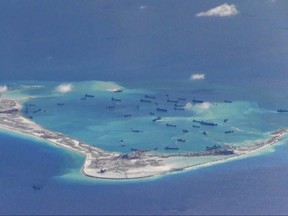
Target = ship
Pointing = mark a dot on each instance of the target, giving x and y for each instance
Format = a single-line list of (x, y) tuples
[(110, 107), (213, 147), (170, 125), (38, 110), (181, 109), (156, 119), (224, 152), (181, 140), (117, 90), (225, 120), (161, 110), (206, 123), (150, 96), (179, 105), (114, 99), (171, 148), (282, 110), (37, 187), (136, 131), (227, 101), (88, 96), (145, 101), (172, 101), (229, 131), (185, 131), (197, 101)]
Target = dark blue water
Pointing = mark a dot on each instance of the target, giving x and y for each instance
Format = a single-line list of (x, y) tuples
[(252, 186), (116, 40)]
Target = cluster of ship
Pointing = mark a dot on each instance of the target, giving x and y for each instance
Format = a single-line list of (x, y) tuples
[(162, 110), (206, 123), (159, 112)]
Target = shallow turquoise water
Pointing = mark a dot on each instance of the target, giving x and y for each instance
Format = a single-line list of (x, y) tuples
[(108, 124)]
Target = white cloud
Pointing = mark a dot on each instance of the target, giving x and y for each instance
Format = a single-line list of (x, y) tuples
[(197, 106), (64, 88), (197, 76), (220, 11), (3, 89), (143, 7), (204, 106), (188, 106)]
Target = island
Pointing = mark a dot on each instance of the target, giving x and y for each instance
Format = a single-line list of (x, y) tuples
[(138, 164)]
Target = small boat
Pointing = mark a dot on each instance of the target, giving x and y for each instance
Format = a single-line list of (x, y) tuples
[(227, 101), (181, 140), (156, 119), (145, 101), (114, 99), (117, 90), (171, 148), (172, 101), (136, 131), (88, 96), (110, 107), (161, 110), (171, 125), (38, 110), (197, 101), (150, 96), (282, 110), (213, 147), (180, 109)]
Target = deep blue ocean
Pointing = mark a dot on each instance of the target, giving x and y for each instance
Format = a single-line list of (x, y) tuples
[(144, 48)]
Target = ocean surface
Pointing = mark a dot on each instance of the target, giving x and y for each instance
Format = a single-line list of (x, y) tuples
[(38, 178), (145, 48)]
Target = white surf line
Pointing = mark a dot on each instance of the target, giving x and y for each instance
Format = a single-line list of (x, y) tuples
[(249, 132)]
